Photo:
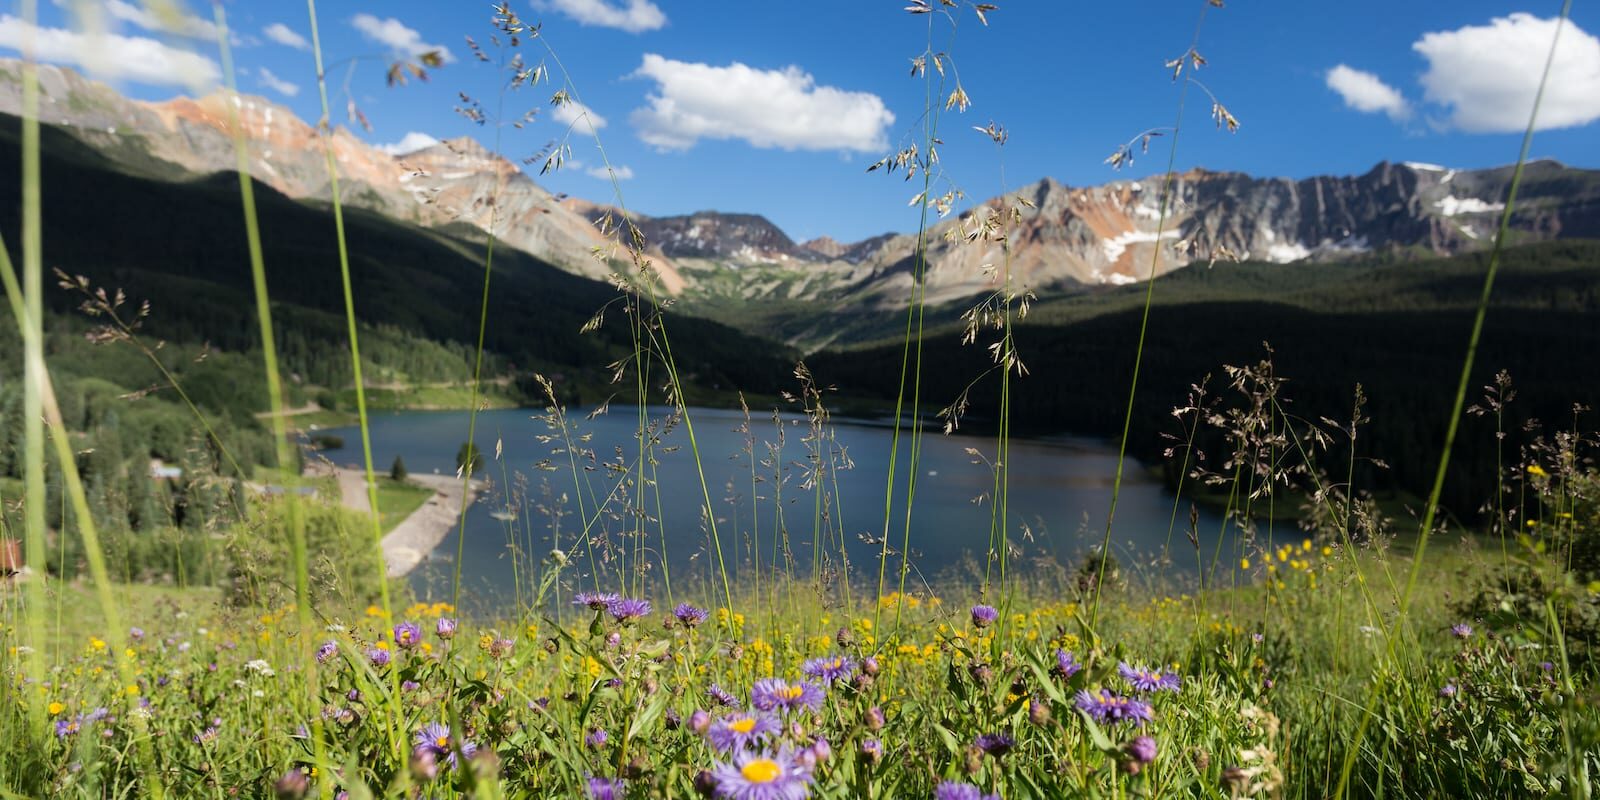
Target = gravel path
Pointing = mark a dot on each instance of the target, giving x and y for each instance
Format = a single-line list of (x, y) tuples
[(417, 535)]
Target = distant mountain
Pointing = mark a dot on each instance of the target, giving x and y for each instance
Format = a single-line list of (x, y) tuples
[(742, 266), (181, 246)]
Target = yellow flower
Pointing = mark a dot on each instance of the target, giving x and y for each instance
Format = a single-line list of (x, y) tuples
[(1537, 471), (1244, 563), (97, 644), (56, 708), (1326, 551), (132, 690)]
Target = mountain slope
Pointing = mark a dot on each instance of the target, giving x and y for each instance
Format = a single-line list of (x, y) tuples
[(182, 246)]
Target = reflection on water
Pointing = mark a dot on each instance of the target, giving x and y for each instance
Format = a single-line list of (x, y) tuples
[(1059, 491)]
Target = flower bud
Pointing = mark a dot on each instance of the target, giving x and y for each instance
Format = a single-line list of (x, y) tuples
[(292, 786), (875, 720), (1038, 713)]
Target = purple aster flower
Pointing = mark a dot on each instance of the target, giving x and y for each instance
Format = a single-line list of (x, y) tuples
[(700, 721), (68, 727), (723, 697), (1067, 664), (984, 616), (830, 669), (445, 628), (761, 776), (407, 635), (1106, 707), (690, 616), (995, 744), (327, 651), (434, 741), (741, 731), (1448, 691), (379, 656), (1141, 749), (628, 609), (1461, 630), (951, 790), (409, 686), (1145, 681), (597, 738), (605, 788), (136, 633), (595, 600), (775, 693)]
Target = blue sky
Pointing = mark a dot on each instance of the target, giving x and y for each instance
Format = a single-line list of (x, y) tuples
[(1320, 88)]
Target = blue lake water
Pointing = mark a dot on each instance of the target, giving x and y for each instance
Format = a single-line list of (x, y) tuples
[(1059, 493)]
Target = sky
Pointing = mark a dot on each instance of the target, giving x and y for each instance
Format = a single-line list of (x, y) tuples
[(778, 108)]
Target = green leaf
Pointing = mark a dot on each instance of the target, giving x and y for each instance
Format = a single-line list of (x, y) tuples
[(646, 718)]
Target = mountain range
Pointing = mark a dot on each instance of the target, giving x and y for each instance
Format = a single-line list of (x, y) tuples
[(1061, 239)]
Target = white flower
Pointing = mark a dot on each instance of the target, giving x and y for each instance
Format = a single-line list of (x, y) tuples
[(260, 666), (258, 693)]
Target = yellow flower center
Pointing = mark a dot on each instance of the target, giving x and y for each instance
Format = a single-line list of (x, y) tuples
[(792, 692), (443, 742), (743, 725), (761, 770)]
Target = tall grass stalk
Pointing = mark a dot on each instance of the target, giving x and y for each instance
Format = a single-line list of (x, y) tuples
[(911, 357), (1166, 202), (1430, 512), (657, 333), (42, 410), (325, 129), (269, 357)]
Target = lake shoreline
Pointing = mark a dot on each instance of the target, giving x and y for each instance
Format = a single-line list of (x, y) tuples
[(416, 537)]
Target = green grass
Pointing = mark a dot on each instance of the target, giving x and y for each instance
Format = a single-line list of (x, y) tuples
[(397, 499)]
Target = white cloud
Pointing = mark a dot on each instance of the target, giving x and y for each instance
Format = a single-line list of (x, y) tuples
[(1487, 75), (635, 16), (112, 56), (623, 173), (410, 143), (277, 84), (396, 36), (1365, 92), (570, 112), (166, 19), (768, 108), (285, 35)]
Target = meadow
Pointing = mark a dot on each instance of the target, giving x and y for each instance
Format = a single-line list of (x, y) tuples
[(214, 641)]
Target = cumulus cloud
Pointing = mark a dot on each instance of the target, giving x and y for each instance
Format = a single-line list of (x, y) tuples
[(1365, 92), (410, 143), (112, 56), (394, 34), (623, 173), (1486, 75), (633, 16), (571, 112), (171, 22), (783, 109), (286, 36), (277, 84)]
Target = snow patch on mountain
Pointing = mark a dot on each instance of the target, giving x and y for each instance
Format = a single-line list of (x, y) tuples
[(1450, 205), (1117, 245)]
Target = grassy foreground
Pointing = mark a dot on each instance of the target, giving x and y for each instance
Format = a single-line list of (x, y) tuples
[(1243, 691)]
